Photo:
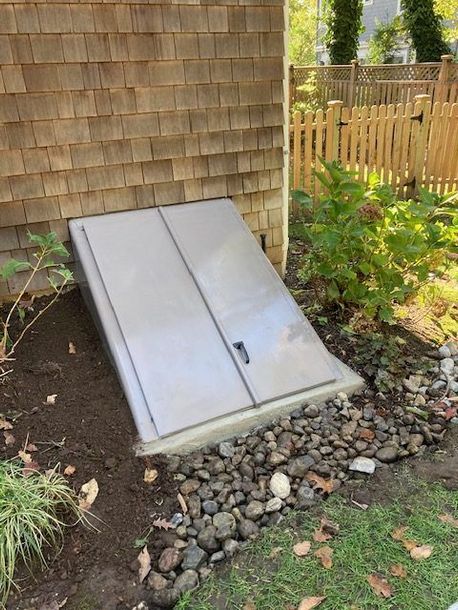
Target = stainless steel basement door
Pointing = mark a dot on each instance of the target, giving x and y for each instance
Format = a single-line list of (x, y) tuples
[(197, 321)]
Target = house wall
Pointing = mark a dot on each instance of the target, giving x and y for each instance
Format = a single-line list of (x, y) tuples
[(121, 105)]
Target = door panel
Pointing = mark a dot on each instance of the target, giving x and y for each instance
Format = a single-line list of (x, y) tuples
[(249, 300), (184, 369)]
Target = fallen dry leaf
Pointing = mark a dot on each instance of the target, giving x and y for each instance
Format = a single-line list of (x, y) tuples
[(301, 549), (409, 544), (150, 475), (51, 399), (310, 602), (29, 468), (162, 524), (326, 485), (9, 438), (69, 470), (71, 348), (421, 552), (182, 503), (25, 457), (399, 533), (324, 554), (320, 536), (5, 425), (249, 606), (31, 447), (448, 519), (144, 561), (450, 412), (88, 494), (380, 585), (398, 570)]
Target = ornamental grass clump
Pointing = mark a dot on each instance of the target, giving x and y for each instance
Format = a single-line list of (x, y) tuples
[(35, 509), (365, 248)]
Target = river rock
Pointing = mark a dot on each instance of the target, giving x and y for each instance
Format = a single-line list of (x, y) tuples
[(279, 485), (210, 507), (387, 454), (221, 520), (311, 411), (305, 497), (447, 365), (254, 510), (362, 464), (166, 598), (226, 449), (186, 581), (156, 581), (300, 465), (247, 529), (206, 539), (193, 558), (169, 559), (273, 505)]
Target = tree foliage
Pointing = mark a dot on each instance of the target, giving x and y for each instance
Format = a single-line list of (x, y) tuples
[(343, 19), (384, 43), (448, 11), (425, 28), (302, 31)]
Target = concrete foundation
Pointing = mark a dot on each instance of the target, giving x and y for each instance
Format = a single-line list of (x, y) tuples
[(242, 422)]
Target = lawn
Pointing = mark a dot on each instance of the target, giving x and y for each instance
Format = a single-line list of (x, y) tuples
[(268, 575)]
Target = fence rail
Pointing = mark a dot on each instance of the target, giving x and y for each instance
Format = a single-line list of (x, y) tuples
[(408, 144), (362, 85)]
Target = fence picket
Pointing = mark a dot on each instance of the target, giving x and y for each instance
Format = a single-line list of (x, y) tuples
[(409, 145)]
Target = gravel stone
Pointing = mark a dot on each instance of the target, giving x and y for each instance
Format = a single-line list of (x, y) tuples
[(169, 559), (387, 454), (254, 510), (273, 505), (362, 464), (221, 520), (247, 529), (193, 558), (156, 581), (226, 449), (280, 485), (210, 507), (305, 497), (206, 539), (311, 411), (300, 466), (186, 581)]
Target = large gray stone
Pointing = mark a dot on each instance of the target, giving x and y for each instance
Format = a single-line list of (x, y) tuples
[(247, 529), (254, 510), (300, 466), (186, 581), (193, 558), (387, 454)]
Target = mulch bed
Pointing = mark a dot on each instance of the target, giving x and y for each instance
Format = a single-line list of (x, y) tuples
[(89, 427)]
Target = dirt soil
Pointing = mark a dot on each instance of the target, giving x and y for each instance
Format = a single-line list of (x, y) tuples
[(89, 427)]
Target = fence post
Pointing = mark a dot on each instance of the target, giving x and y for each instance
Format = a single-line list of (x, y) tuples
[(423, 112), (333, 130), (353, 81), (443, 78), (292, 86)]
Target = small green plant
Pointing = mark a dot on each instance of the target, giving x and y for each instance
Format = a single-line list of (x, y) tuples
[(34, 510), (385, 41), (365, 248), (48, 248)]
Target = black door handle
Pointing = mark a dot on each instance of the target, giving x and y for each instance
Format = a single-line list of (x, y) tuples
[(242, 349)]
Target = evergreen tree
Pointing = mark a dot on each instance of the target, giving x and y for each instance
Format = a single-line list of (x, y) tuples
[(425, 29), (343, 22)]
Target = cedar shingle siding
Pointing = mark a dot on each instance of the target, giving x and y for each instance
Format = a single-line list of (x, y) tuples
[(113, 106)]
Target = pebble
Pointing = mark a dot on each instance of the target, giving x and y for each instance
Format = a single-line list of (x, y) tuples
[(387, 454), (226, 449), (279, 485), (169, 559), (305, 497), (273, 505), (311, 411), (363, 464), (447, 365), (300, 466), (247, 529), (186, 581), (193, 558), (254, 510)]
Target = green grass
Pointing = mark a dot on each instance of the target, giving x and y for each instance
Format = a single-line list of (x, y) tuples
[(363, 546), (34, 511)]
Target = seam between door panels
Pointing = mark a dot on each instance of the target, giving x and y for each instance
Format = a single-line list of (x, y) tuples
[(182, 251)]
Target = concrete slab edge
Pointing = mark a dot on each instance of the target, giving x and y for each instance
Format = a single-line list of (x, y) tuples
[(242, 422)]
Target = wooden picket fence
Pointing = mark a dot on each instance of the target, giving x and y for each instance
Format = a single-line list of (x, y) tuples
[(408, 144), (365, 85)]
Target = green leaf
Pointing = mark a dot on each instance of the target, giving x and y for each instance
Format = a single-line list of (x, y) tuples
[(13, 266), (302, 198), (352, 188)]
